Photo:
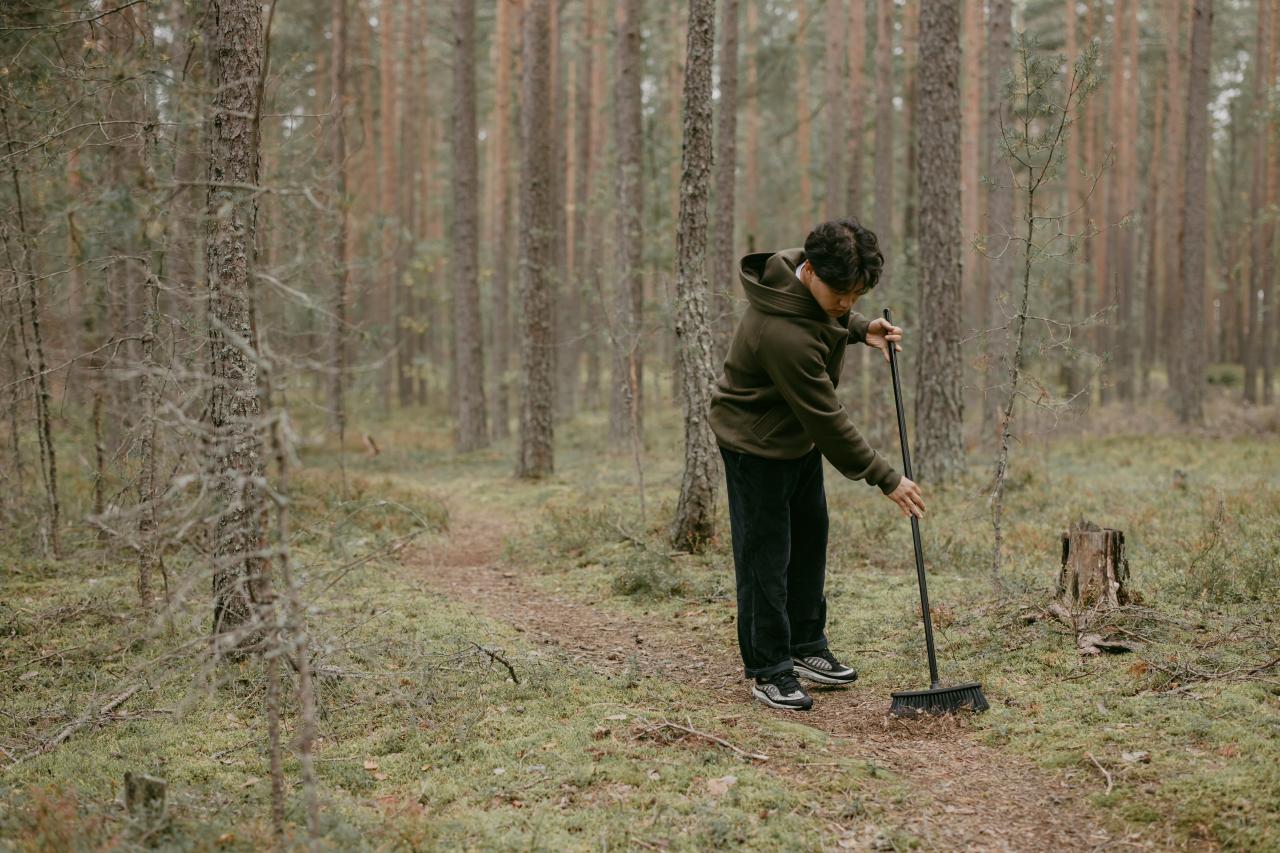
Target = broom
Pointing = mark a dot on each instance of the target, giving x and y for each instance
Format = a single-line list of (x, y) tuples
[(935, 700)]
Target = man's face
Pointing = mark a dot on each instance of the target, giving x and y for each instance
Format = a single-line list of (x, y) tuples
[(834, 303)]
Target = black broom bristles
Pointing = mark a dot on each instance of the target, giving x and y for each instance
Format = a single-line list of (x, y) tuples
[(940, 700)]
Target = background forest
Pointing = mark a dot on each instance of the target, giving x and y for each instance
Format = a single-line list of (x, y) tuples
[(356, 487)]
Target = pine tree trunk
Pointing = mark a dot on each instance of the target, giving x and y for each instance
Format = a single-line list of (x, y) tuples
[(724, 249), (336, 410), (999, 224), (468, 354), (695, 514), (751, 159), (876, 398), (235, 46), (583, 278), (858, 41), (940, 373), (624, 409), (501, 240), (1258, 226), (537, 252), (388, 30), (1189, 391), (834, 81), (971, 151)]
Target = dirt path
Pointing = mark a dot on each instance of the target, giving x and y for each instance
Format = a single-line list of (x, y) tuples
[(964, 795)]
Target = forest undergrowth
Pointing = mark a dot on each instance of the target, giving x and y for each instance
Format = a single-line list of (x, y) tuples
[(426, 738)]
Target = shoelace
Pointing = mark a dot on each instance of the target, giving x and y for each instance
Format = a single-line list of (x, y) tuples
[(826, 655), (787, 683)]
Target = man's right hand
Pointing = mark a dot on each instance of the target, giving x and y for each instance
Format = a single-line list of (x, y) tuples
[(907, 496)]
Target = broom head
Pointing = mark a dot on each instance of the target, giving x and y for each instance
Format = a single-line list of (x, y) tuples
[(939, 700)]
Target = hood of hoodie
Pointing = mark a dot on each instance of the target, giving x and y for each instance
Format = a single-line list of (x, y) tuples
[(769, 279)]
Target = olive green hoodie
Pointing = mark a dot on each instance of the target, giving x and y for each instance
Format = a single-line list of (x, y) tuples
[(777, 396)]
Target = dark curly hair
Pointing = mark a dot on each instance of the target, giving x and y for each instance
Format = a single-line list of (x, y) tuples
[(844, 255)]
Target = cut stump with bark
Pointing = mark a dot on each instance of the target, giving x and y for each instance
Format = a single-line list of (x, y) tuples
[(1093, 579), (1095, 571)]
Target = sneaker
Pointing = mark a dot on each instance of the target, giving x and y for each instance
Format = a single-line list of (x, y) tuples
[(823, 668), (782, 691)]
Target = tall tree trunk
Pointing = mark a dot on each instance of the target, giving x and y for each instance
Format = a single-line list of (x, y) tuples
[(337, 405), (1259, 223), (834, 80), (858, 39), (695, 514), (581, 280), (1269, 312), (500, 240), (910, 42), (1173, 170), (235, 45), (624, 409), (1189, 391), (752, 158), (971, 149), (595, 327), (875, 396), (724, 249), (940, 371), (1152, 217), (999, 222), (537, 252), (388, 112), (468, 354)]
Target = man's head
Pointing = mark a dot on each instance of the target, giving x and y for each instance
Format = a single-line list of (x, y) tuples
[(844, 263)]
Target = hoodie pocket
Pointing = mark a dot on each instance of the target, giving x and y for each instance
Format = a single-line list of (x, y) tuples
[(765, 425)]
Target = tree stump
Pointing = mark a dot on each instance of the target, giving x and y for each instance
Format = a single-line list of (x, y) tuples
[(144, 796), (1095, 571), (1093, 579)]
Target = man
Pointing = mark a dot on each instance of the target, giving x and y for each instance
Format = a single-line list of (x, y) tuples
[(775, 414)]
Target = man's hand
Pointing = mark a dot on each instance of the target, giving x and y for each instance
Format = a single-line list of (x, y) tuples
[(907, 496), (880, 333)]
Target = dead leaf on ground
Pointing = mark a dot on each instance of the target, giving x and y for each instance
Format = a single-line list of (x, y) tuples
[(720, 787)]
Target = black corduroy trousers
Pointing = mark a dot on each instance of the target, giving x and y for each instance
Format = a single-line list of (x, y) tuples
[(778, 517)]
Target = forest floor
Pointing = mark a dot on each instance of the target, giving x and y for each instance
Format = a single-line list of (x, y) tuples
[(627, 724)]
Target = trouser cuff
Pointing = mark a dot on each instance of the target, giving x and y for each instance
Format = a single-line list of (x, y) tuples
[(809, 648), (769, 671)]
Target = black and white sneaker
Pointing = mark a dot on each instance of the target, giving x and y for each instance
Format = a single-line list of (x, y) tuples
[(823, 668), (782, 691)]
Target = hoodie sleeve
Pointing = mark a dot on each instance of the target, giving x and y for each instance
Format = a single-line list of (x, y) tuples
[(858, 327), (797, 365)]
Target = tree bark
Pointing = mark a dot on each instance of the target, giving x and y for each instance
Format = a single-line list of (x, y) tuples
[(472, 432), (235, 47), (624, 409), (537, 254), (724, 249), (695, 514), (507, 47), (1259, 224), (939, 404), (1189, 391), (999, 220), (834, 81), (336, 410)]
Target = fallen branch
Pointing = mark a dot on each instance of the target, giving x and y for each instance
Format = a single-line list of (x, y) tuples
[(74, 726), (667, 724), (494, 656), (1102, 769)]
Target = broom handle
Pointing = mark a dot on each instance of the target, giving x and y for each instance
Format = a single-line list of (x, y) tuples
[(915, 522)]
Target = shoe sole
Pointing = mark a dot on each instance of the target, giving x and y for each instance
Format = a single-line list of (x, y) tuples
[(763, 697), (822, 677)]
